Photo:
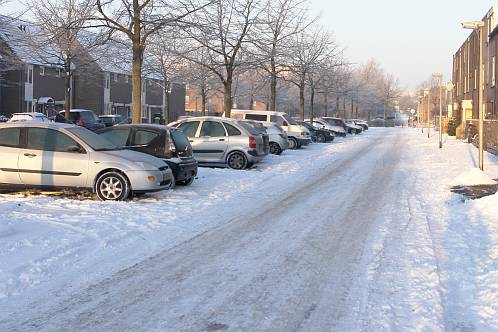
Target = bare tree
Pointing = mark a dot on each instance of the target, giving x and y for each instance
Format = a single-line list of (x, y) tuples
[(201, 77), (166, 63), (60, 39), (139, 21), (390, 91), (309, 50), (221, 32), (282, 19)]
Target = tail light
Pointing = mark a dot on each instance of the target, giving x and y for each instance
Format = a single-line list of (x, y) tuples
[(252, 142)]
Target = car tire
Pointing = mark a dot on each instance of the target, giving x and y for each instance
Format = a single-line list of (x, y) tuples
[(275, 148), (185, 182), (112, 186), (320, 138), (237, 160), (293, 143)]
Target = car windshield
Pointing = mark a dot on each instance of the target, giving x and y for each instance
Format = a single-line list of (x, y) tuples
[(95, 141), (289, 120)]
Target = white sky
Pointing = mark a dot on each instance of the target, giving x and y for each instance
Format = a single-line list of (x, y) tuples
[(410, 38)]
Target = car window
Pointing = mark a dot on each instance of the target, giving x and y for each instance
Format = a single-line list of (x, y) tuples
[(95, 141), (257, 117), (73, 116), (180, 141), (89, 116), (144, 137), (278, 120), (212, 129), (9, 137), (248, 127), (189, 128), (118, 137), (49, 140), (231, 130)]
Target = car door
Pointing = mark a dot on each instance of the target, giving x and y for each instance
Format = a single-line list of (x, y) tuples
[(9, 155), (52, 159), (212, 142), (190, 129)]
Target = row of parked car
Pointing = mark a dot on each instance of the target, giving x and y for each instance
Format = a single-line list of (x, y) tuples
[(124, 159)]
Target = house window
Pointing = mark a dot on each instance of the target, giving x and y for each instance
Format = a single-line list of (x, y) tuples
[(29, 75), (59, 72), (115, 77), (493, 61), (42, 71), (127, 79)]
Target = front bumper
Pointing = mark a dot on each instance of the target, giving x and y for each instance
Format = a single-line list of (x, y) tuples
[(304, 141), (141, 183)]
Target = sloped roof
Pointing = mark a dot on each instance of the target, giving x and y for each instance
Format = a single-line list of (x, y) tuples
[(24, 39)]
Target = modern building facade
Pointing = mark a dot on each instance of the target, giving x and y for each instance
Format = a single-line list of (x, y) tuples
[(466, 74)]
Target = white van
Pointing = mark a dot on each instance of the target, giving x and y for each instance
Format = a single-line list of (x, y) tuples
[(298, 135)]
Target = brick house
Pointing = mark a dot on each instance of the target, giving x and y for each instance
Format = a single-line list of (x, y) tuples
[(466, 80)]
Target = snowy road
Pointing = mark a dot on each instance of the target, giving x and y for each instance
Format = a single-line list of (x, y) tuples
[(352, 243), (288, 264)]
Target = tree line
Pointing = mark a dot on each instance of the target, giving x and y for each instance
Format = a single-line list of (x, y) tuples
[(269, 50)]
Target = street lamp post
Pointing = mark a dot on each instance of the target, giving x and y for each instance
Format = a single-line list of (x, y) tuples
[(439, 77), (479, 26), (427, 93)]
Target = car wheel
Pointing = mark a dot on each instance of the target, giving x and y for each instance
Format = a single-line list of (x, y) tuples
[(293, 143), (275, 148), (112, 186), (185, 182), (237, 160), (320, 138)]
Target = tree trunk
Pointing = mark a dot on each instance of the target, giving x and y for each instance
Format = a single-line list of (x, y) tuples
[(356, 112), (273, 85), (326, 104), (67, 89), (228, 102), (136, 79), (168, 117), (385, 111), (312, 104), (344, 106), (166, 101), (301, 98), (251, 102), (352, 108), (203, 101), (337, 106)]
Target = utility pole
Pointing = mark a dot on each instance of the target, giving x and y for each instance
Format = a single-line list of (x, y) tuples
[(427, 92)]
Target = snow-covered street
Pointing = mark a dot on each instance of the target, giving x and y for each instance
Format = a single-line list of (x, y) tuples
[(362, 234)]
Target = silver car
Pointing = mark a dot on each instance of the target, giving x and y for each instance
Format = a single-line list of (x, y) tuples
[(279, 140), (223, 141), (56, 155)]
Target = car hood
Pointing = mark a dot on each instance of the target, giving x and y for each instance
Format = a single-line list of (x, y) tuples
[(134, 157)]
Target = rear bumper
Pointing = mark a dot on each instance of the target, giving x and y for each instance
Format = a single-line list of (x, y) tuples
[(183, 170)]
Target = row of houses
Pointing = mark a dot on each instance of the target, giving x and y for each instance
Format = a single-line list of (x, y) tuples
[(465, 78), (99, 81)]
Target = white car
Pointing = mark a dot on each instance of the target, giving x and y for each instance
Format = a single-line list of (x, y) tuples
[(322, 124), (57, 155), (29, 116)]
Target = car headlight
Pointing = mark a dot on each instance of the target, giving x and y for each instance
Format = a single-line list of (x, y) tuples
[(145, 166)]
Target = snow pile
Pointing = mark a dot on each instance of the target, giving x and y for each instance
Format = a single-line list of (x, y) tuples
[(473, 176)]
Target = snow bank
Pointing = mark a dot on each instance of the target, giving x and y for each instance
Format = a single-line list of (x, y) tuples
[(473, 176)]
